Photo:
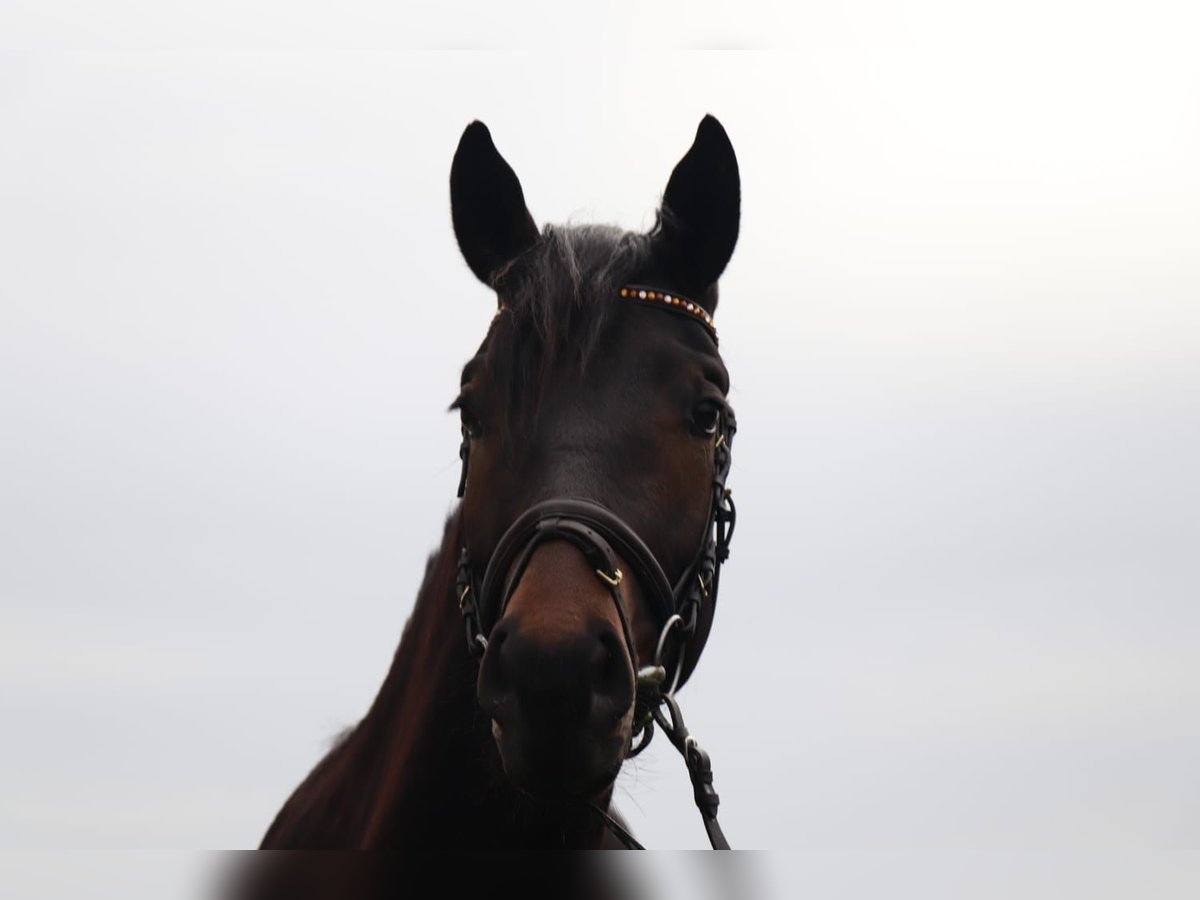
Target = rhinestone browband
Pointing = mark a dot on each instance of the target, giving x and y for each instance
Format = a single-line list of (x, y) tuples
[(671, 301)]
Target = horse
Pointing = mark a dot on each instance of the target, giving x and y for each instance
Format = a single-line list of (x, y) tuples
[(582, 562)]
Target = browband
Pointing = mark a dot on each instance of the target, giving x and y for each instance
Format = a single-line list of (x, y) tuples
[(673, 302)]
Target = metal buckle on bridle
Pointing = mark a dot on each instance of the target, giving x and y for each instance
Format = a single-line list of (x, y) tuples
[(477, 643), (613, 580), (652, 699), (650, 681)]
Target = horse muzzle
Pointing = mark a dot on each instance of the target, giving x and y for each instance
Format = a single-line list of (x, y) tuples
[(559, 670), (561, 710)]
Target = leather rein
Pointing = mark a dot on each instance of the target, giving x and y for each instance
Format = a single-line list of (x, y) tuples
[(683, 612)]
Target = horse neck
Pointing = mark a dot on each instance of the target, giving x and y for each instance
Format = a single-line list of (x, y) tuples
[(422, 769)]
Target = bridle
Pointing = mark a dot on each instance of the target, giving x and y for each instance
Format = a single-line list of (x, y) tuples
[(683, 612)]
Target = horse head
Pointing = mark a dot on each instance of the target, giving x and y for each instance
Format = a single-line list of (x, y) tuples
[(596, 436)]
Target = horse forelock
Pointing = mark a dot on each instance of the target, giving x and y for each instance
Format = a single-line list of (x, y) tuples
[(555, 300)]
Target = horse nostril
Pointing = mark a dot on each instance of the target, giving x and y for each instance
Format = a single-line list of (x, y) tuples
[(612, 676), (498, 638), (522, 681), (493, 686)]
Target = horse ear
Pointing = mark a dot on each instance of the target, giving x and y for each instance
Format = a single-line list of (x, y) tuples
[(698, 222), (487, 205)]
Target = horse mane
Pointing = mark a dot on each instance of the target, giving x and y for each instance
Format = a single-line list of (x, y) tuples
[(347, 797)]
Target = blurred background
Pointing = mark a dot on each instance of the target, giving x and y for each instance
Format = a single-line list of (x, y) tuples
[(958, 648)]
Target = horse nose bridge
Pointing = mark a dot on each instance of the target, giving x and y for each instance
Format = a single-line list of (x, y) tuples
[(560, 596), (575, 459)]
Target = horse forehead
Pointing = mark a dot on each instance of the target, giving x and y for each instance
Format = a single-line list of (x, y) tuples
[(620, 408)]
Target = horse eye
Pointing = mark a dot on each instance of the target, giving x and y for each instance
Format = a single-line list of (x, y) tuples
[(705, 418), (471, 426)]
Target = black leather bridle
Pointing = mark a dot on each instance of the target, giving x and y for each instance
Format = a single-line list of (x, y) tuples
[(683, 612)]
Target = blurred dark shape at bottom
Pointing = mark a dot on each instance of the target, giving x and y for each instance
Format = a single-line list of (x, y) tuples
[(374, 875)]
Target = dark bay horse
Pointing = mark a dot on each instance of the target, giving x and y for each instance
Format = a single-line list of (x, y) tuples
[(583, 558)]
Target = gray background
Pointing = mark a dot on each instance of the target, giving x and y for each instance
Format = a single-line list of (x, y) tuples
[(962, 324)]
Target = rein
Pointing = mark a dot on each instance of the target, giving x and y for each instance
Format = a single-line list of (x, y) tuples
[(683, 611)]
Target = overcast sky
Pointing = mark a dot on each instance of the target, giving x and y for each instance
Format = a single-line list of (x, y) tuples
[(963, 329)]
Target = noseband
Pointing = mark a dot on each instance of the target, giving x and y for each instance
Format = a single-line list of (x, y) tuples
[(683, 613)]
